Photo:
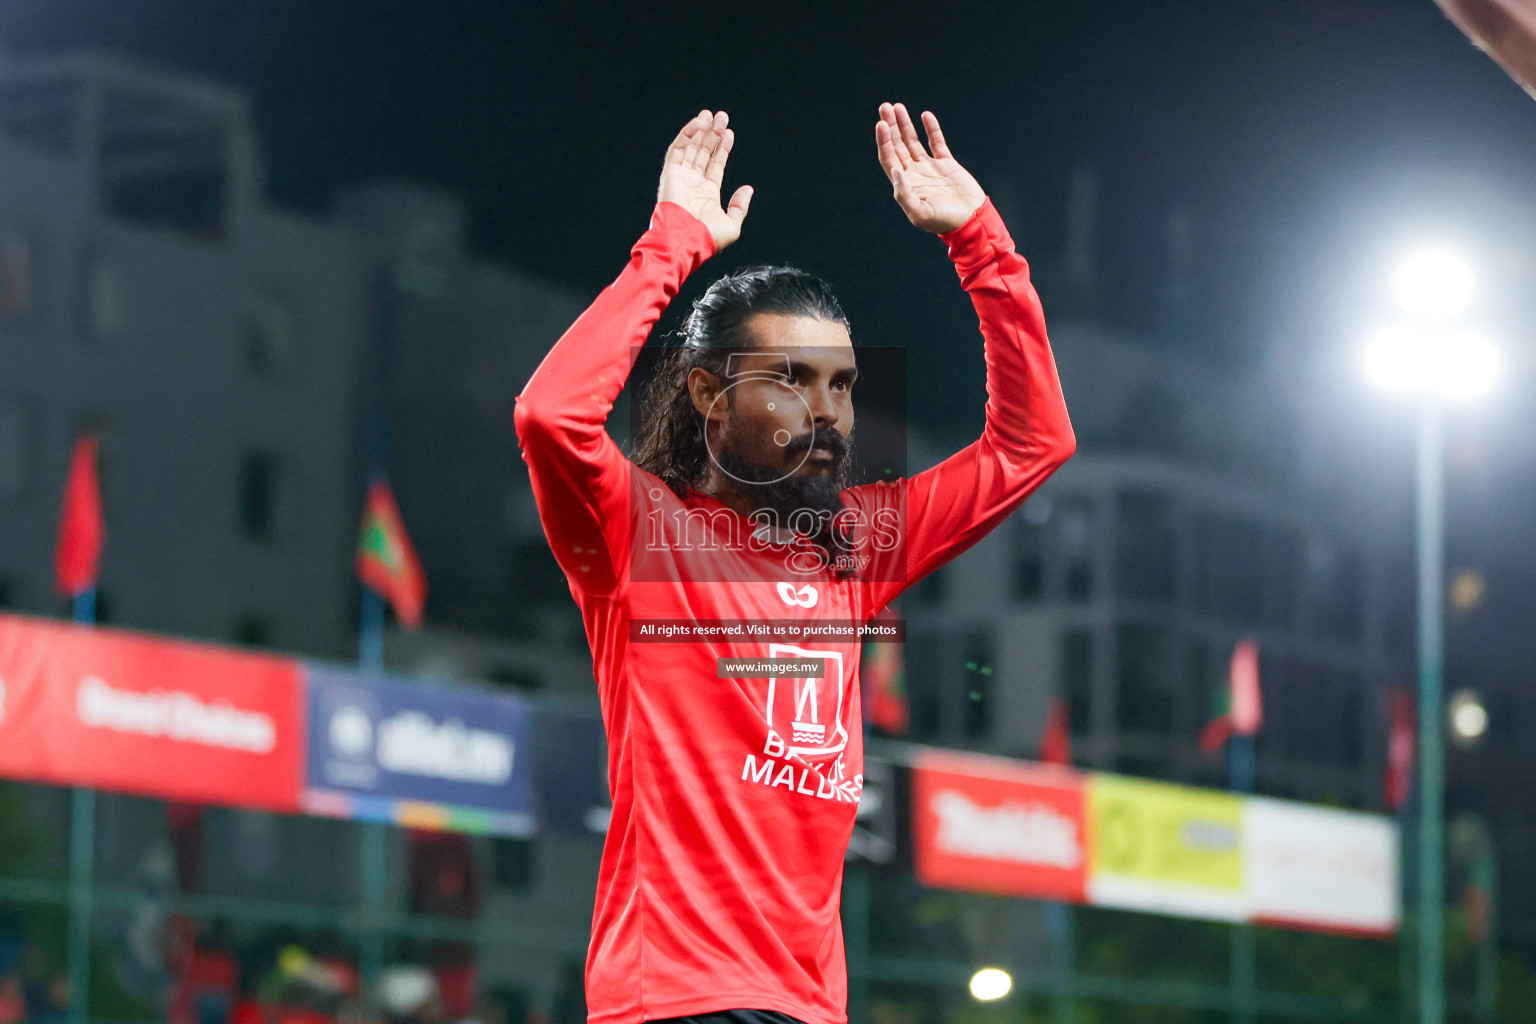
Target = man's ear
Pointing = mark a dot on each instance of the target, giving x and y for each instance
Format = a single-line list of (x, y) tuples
[(705, 388)]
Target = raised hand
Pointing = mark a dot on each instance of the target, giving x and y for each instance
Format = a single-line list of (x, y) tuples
[(693, 171), (933, 190)]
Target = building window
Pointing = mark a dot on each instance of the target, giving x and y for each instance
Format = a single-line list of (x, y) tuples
[(266, 335), (924, 686), (1147, 549), (1245, 572), (17, 274), (103, 299), (976, 683), (1229, 570), (1074, 546), (258, 496), (1030, 548), (15, 447), (1077, 678), (1335, 583), (42, 115), (162, 162), (1144, 657), (7, 591), (1053, 554)]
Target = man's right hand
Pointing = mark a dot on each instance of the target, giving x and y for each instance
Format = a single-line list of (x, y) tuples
[(693, 171), (1506, 29)]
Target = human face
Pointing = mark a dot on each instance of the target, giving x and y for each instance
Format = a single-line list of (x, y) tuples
[(791, 407)]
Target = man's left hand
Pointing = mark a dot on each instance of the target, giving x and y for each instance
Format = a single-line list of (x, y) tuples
[(933, 190)]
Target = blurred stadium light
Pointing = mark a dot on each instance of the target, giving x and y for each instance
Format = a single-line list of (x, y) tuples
[(1433, 283), (1469, 719), (990, 983)]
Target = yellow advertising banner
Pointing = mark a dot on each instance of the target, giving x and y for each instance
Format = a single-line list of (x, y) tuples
[(1165, 848)]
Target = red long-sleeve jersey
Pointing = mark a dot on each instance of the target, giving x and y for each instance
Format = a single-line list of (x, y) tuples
[(734, 799)]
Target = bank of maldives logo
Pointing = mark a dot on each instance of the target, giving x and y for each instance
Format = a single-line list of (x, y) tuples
[(807, 714)]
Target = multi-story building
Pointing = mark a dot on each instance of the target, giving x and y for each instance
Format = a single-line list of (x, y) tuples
[(1123, 583), (229, 355), (242, 366)]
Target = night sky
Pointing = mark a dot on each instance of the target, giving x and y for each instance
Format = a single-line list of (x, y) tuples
[(1257, 117), (1297, 134)]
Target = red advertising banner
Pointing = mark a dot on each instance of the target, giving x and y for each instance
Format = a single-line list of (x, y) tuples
[(111, 710), (988, 824)]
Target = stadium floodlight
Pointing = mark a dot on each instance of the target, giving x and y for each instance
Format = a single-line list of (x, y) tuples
[(1458, 364), (990, 983), (1469, 719), (1433, 283)]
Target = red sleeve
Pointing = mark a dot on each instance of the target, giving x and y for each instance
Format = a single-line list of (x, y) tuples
[(944, 510), (580, 477)]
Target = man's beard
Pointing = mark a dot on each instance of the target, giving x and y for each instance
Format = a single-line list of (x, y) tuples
[(805, 504)]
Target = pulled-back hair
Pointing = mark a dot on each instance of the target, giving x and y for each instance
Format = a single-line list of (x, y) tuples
[(671, 435)]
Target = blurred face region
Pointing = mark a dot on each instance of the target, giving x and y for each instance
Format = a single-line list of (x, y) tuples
[(778, 425)]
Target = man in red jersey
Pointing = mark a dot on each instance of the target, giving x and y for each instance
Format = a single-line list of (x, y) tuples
[(735, 785), (1506, 29)]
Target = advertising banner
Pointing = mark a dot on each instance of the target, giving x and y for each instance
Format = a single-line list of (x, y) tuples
[(570, 762), (998, 826), (1165, 848), (1315, 867), (416, 755), (106, 709)]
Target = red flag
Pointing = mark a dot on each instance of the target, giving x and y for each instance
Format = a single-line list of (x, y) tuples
[(1056, 744), (1239, 706), (81, 529), (882, 670), (1215, 733), (385, 559), (1402, 747), (1247, 704)]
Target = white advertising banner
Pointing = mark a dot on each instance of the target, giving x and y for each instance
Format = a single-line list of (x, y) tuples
[(1319, 868)]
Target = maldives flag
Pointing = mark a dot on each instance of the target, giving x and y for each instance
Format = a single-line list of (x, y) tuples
[(1239, 709), (882, 671), (81, 529), (1056, 744), (385, 559), (1402, 747)]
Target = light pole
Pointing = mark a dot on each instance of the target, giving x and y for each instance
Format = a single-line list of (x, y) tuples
[(1431, 504), (1433, 356)]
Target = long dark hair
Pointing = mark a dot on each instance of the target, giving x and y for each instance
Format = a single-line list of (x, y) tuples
[(671, 435)]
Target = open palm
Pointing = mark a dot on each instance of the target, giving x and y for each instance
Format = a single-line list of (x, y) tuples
[(693, 171), (933, 190)]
